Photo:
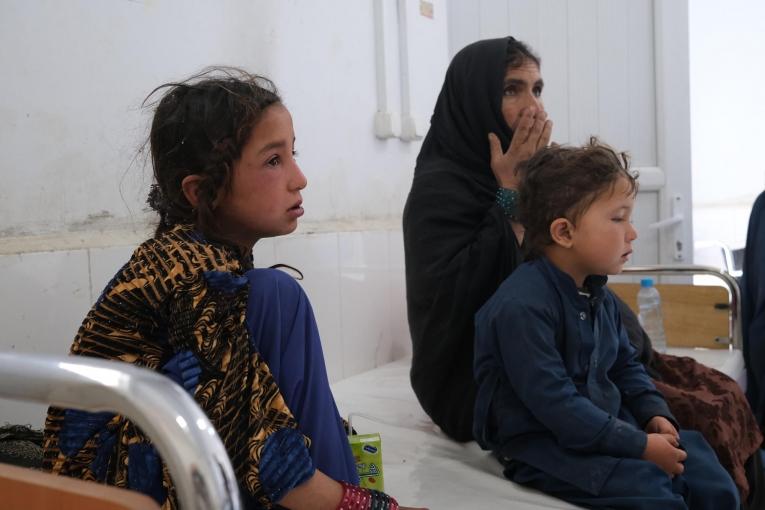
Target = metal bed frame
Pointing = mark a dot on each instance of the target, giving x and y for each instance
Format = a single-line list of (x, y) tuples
[(734, 322), (186, 440)]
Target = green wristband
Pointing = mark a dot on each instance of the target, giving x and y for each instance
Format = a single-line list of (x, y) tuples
[(507, 200)]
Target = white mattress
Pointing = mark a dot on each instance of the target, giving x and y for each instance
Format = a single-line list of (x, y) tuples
[(422, 467)]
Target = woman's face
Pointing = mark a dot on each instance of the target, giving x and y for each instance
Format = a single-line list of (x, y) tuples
[(522, 89)]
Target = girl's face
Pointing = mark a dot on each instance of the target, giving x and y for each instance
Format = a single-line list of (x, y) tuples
[(522, 89), (264, 195)]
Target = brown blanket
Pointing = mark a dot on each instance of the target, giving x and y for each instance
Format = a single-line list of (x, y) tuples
[(704, 399)]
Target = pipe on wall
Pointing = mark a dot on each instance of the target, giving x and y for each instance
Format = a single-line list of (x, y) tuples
[(383, 122)]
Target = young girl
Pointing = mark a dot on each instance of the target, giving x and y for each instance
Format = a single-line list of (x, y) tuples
[(562, 399), (242, 341)]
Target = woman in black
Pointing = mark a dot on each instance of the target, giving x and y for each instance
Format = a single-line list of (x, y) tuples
[(461, 241)]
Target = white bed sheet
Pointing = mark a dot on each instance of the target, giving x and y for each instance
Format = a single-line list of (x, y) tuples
[(422, 467), (728, 361)]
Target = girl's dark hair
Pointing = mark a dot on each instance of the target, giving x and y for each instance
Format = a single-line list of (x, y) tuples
[(563, 182), (200, 126), (518, 53)]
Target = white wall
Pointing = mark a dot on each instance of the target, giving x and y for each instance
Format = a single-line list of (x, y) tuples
[(72, 199), (597, 63), (77, 71), (727, 49)]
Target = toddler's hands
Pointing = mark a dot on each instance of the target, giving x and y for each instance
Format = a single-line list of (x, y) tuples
[(661, 425), (662, 450)]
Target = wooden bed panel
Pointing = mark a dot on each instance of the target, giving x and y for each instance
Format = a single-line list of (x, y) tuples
[(694, 315), (27, 489)]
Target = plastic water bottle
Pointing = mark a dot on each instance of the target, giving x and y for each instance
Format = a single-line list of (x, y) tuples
[(649, 304)]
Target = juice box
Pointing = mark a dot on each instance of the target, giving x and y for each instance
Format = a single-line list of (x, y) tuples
[(367, 452)]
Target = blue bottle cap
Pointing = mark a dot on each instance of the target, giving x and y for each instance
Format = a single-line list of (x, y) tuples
[(646, 282)]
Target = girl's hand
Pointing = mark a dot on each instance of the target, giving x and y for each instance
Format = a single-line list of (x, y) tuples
[(532, 132), (661, 425)]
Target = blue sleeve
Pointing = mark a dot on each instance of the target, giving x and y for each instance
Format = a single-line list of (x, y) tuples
[(524, 337), (639, 394)]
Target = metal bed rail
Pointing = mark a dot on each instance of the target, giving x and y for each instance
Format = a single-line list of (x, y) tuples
[(734, 317), (178, 428)]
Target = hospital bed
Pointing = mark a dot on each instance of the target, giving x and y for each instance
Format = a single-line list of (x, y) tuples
[(422, 467)]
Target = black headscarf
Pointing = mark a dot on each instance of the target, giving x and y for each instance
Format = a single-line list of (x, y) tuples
[(458, 245), (468, 108)]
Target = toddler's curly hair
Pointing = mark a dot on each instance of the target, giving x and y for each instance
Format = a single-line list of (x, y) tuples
[(562, 182)]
